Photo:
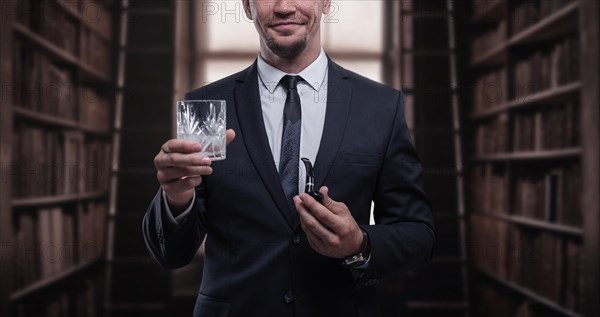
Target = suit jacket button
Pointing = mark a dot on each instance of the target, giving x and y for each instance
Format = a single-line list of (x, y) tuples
[(296, 239), (288, 297)]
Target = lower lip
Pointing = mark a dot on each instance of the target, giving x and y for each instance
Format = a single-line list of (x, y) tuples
[(285, 27)]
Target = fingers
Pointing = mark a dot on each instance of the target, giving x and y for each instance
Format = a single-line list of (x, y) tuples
[(181, 146), (319, 212), (311, 224), (175, 173), (181, 185), (230, 135), (327, 201)]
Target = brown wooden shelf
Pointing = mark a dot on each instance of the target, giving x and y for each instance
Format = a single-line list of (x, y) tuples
[(556, 25), (495, 12), (47, 119), (494, 57), (550, 95), (91, 74), (531, 155), (535, 223), (50, 48), (95, 131), (87, 72), (529, 294), (74, 12), (55, 200), (58, 277)]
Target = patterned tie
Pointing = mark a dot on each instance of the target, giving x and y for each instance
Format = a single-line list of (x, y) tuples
[(290, 140)]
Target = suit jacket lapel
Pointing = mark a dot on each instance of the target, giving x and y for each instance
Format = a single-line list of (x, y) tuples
[(249, 110), (339, 95)]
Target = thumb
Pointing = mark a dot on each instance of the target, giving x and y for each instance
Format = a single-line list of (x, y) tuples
[(327, 201)]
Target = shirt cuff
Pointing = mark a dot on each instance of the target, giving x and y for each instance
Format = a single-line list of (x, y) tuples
[(174, 222)]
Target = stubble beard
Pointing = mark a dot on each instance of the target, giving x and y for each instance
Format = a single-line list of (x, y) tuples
[(287, 51)]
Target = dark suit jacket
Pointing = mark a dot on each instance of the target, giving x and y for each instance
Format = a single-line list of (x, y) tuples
[(257, 259)]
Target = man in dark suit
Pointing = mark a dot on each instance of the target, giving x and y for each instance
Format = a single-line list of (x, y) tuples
[(268, 250)]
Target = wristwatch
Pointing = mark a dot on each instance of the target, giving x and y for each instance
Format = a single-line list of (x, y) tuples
[(361, 257)]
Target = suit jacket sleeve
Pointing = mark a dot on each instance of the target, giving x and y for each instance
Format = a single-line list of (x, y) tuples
[(403, 236), (173, 245)]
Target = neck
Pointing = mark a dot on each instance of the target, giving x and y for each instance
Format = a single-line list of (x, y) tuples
[(293, 65)]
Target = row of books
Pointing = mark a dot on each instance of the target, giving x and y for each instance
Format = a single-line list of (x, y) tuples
[(49, 20), (95, 51), (489, 188), (90, 42), (484, 7), (491, 137), (493, 301), (547, 127), (97, 15), (490, 90), (529, 12), (552, 127), (549, 194), (81, 298), (42, 86), (95, 108), (545, 263), (50, 240), (489, 40), (547, 68), (541, 70), (48, 162)]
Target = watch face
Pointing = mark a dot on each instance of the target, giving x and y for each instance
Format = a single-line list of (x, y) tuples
[(355, 260)]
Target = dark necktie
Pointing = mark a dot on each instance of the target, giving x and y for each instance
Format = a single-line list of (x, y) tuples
[(290, 140)]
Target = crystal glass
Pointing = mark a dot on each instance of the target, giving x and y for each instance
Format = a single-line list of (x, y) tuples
[(203, 121)]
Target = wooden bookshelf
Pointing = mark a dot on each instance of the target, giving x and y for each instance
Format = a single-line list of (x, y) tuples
[(562, 22), (547, 96), (534, 136), (489, 13), (57, 200), (494, 57), (529, 294), (533, 155), (58, 278), (45, 119), (536, 224), (56, 141)]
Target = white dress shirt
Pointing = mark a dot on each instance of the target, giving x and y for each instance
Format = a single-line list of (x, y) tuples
[(313, 99)]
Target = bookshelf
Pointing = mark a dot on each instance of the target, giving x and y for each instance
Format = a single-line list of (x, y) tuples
[(57, 118), (532, 156)]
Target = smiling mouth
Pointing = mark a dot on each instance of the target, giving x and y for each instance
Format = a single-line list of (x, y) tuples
[(285, 25)]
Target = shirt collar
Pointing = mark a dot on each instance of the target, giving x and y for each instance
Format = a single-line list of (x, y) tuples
[(313, 74)]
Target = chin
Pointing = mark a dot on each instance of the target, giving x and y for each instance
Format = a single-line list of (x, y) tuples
[(287, 48)]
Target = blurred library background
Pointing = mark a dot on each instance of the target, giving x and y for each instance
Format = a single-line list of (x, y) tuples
[(502, 100)]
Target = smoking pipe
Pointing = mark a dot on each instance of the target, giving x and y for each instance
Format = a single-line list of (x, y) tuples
[(310, 181)]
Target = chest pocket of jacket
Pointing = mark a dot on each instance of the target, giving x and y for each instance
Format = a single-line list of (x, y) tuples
[(354, 171), (364, 159)]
